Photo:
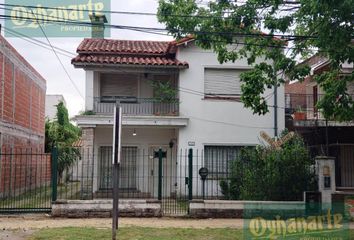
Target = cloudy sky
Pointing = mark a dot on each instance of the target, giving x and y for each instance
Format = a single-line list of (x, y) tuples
[(47, 64)]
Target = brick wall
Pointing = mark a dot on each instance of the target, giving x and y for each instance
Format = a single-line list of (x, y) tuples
[(22, 122), (22, 101)]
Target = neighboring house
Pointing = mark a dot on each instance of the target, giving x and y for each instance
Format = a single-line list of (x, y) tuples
[(22, 100), (51, 102), (323, 137), (206, 114)]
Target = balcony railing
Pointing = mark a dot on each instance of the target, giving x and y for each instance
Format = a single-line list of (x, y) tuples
[(303, 106), (136, 106)]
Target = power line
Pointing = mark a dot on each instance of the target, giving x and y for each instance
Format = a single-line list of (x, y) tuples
[(61, 63), (11, 33), (38, 42), (90, 24), (130, 12), (228, 123)]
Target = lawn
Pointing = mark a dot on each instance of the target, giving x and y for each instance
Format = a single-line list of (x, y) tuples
[(142, 233), (138, 233)]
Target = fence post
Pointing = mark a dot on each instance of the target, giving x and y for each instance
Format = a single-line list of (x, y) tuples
[(190, 174), (54, 158), (160, 175)]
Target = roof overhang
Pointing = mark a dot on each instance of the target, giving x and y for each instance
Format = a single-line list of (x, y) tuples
[(101, 65)]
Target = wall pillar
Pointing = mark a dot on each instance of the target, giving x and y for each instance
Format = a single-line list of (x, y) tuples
[(89, 97), (87, 156), (326, 177)]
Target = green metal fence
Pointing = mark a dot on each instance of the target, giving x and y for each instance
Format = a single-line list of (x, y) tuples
[(31, 180), (170, 175), (25, 181)]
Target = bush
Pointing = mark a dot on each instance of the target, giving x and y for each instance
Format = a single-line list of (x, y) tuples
[(264, 173)]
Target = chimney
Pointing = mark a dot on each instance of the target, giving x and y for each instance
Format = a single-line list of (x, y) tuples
[(98, 21)]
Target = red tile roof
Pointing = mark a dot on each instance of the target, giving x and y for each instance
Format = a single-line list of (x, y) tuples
[(126, 52)]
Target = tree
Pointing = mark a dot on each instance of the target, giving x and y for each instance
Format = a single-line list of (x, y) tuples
[(300, 27), (264, 173), (62, 134)]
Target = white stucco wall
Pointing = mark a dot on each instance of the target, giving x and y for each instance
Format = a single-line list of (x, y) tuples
[(219, 122), (50, 105)]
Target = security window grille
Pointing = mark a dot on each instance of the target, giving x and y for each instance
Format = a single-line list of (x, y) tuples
[(127, 170), (218, 159), (222, 82)]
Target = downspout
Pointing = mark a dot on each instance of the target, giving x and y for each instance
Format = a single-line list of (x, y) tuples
[(275, 110)]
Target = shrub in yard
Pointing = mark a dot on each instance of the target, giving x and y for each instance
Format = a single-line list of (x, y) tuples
[(265, 173)]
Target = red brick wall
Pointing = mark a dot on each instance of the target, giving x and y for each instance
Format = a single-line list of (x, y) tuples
[(22, 100), (22, 120)]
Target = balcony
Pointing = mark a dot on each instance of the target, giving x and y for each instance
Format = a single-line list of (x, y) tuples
[(302, 106), (136, 106), (302, 110)]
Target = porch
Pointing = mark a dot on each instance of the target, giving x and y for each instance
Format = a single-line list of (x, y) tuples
[(138, 176)]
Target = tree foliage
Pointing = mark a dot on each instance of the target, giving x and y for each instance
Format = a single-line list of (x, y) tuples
[(263, 173), (62, 134), (305, 26)]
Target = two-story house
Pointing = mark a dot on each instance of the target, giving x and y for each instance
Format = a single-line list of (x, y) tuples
[(323, 137), (204, 113)]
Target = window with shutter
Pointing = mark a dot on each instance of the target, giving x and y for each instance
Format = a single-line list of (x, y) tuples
[(222, 82), (119, 85)]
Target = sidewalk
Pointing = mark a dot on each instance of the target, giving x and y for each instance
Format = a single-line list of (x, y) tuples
[(39, 221), (28, 222)]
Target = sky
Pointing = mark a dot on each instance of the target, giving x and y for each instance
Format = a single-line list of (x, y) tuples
[(46, 63)]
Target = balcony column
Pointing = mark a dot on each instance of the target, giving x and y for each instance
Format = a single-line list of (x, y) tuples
[(87, 155), (89, 93)]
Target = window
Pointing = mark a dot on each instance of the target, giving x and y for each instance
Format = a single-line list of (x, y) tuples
[(127, 170), (218, 159), (121, 85), (222, 82)]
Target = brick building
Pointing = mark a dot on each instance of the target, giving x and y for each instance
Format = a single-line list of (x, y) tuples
[(22, 129), (323, 137), (22, 101)]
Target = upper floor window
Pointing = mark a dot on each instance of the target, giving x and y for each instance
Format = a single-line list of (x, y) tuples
[(119, 85), (221, 82)]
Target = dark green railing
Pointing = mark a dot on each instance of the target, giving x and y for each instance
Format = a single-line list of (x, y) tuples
[(25, 181), (30, 180)]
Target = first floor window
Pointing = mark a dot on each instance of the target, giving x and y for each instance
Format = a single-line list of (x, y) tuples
[(218, 159)]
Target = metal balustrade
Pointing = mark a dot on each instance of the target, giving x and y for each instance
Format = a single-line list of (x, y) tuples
[(137, 106), (303, 106)]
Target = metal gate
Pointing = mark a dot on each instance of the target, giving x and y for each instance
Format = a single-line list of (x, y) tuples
[(174, 189), (25, 181)]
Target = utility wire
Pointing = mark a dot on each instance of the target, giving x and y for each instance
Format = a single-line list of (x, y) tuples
[(13, 34), (38, 42), (61, 63), (90, 24), (130, 12)]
